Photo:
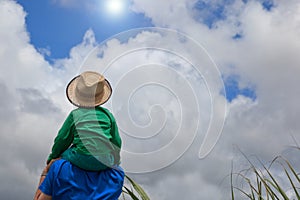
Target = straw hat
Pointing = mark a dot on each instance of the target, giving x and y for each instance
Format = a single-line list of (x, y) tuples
[(89, 89)]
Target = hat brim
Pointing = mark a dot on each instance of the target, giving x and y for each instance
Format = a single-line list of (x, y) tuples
[(87, 103)]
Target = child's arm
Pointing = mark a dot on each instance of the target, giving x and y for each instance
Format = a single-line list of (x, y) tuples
[(63, 139)]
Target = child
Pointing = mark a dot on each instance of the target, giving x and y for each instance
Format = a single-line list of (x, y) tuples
[(89, 137)]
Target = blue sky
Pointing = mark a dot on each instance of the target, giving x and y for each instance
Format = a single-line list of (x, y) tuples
[(58, 28), (253, 44), (233, 88)]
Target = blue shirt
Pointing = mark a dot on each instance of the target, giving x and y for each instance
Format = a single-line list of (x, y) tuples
[(65, 181)]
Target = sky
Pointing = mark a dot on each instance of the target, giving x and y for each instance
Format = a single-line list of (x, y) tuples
[(196, 83)]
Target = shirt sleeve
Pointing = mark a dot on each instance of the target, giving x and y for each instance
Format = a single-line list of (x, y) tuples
[(63, 139), (114, 132)]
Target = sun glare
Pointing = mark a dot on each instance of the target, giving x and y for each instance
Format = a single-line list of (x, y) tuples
[(115, 6)]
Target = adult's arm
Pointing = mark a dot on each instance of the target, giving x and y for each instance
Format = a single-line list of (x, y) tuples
[(44, 197), (39, 195)]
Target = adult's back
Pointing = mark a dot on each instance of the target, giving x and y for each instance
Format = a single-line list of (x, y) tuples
[(65, 181)]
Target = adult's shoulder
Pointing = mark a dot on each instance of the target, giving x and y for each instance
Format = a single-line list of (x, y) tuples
[(57, 164)]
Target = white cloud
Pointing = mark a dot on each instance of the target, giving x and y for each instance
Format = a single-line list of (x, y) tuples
[(32, 105), (265, 56), (19, 64), (152, 64)]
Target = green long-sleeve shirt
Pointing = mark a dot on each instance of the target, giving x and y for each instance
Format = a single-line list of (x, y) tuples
[(90, 132)]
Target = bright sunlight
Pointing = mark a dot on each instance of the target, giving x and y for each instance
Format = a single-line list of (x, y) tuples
[(115, 6)]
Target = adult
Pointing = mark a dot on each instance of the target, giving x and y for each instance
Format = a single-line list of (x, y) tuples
[(61, 180)]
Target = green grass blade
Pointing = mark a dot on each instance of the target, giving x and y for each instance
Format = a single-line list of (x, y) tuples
[(278, 188), (265, 185), (138, 189), (293, 171), (291, 181), (264, 181), (242, 191), (231, 187), (130, 193), (259, 188)]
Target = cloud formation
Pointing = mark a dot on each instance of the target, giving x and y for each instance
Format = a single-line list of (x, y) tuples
[(32, 105), (264, 55)]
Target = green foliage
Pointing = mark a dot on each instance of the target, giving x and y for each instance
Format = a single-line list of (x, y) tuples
[(131, 192), (262, 184)]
